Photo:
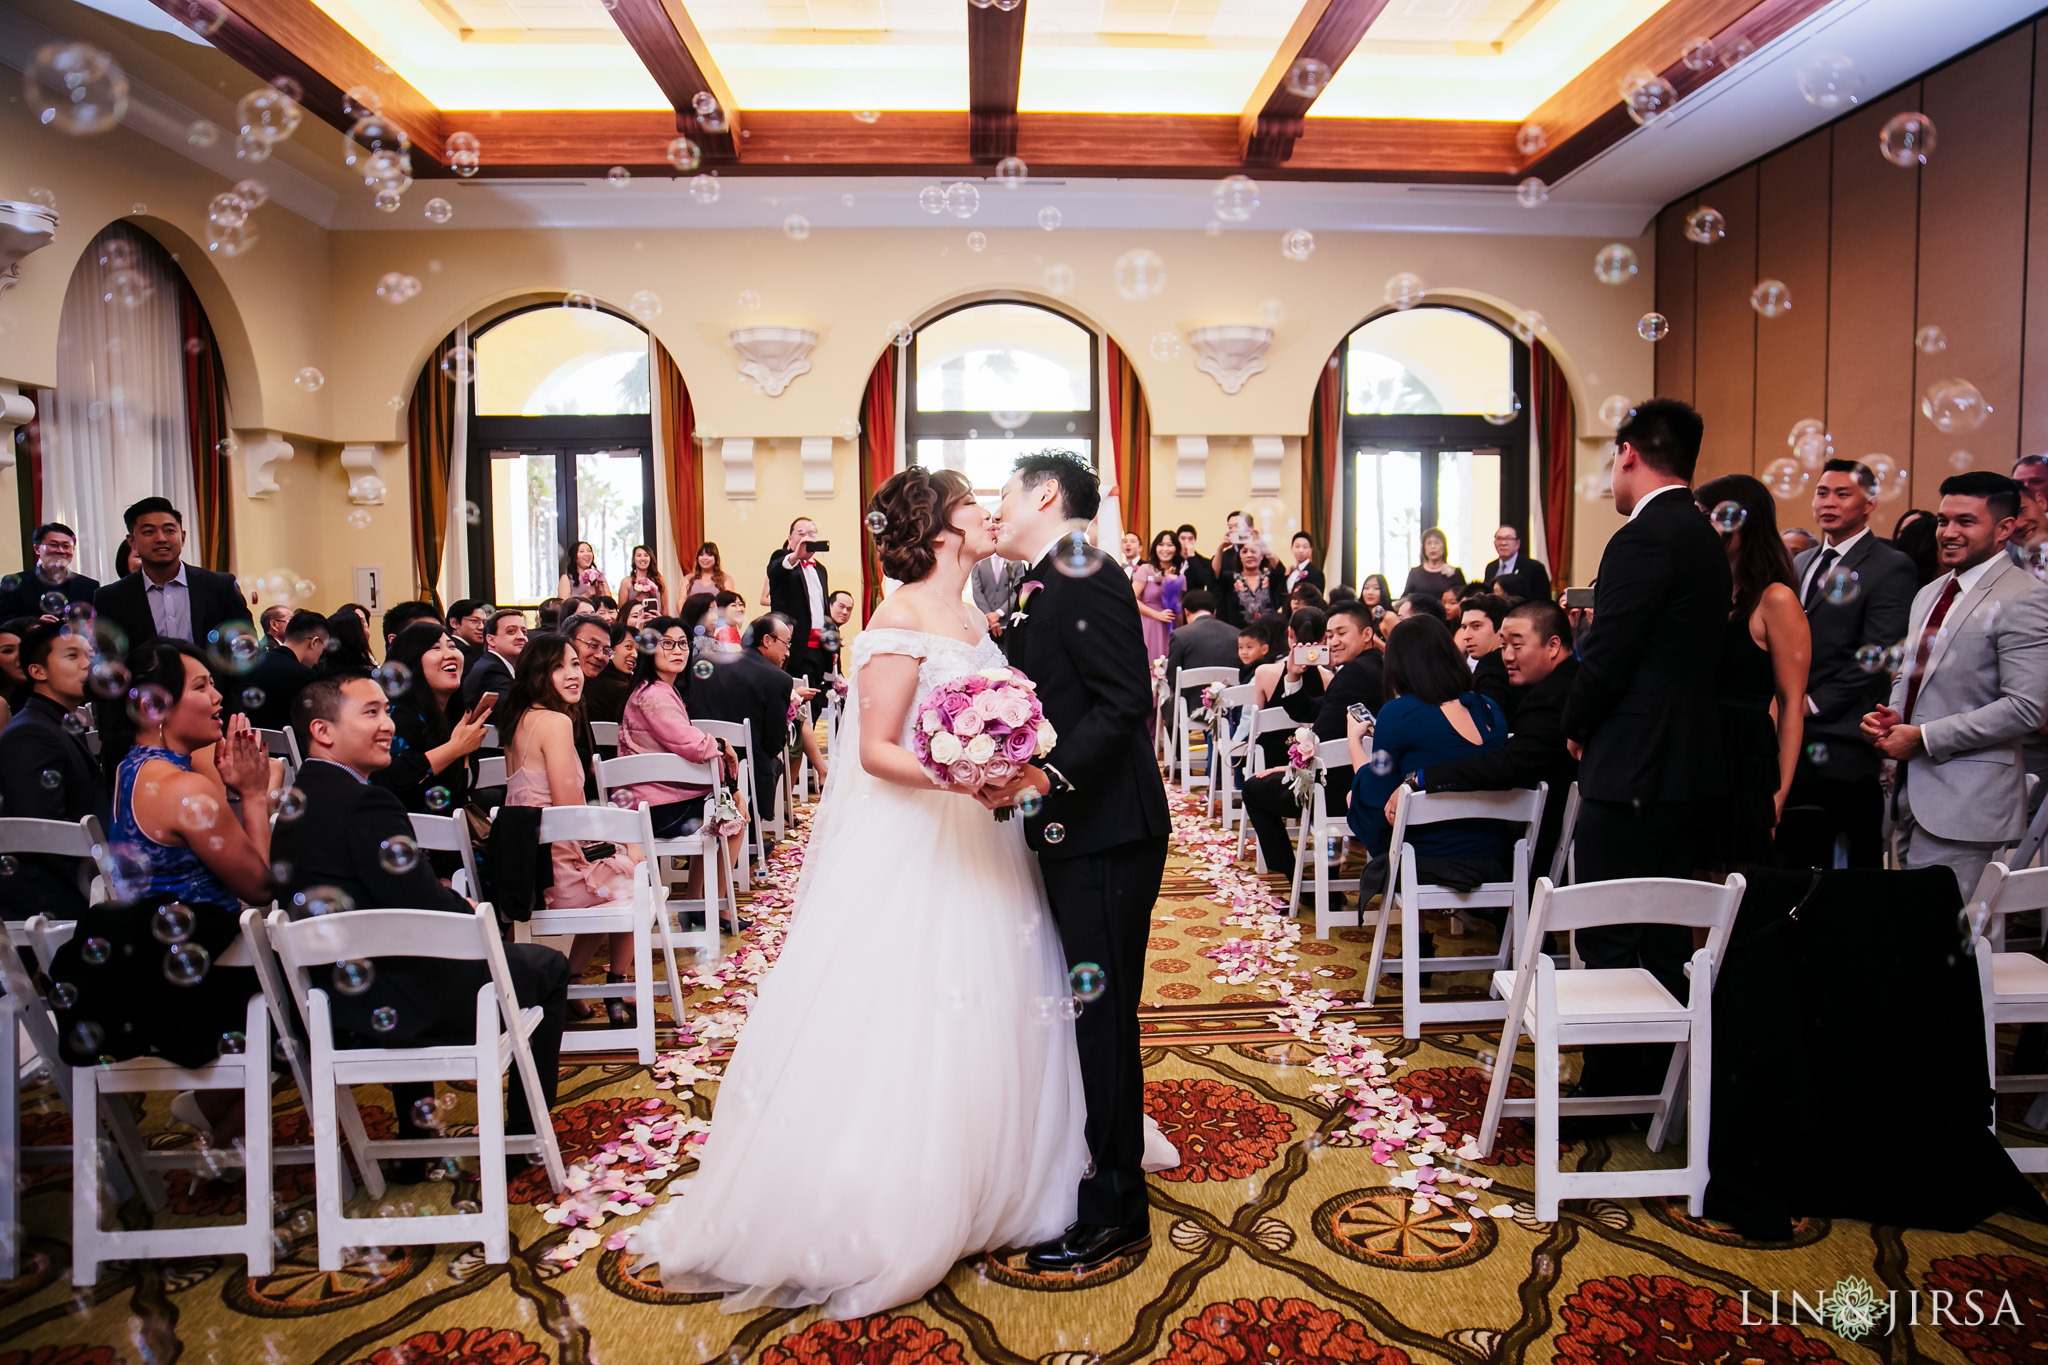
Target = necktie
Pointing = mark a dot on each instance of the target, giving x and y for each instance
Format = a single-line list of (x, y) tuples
[(1927, 634), (1827, 560)]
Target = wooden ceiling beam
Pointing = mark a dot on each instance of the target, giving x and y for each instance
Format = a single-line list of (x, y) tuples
[(995, 69), (676, 55), (1274, 118)]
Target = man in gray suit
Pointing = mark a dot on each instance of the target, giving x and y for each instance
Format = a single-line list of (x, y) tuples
[(1975, 682), (1834, 812), (994, 582)]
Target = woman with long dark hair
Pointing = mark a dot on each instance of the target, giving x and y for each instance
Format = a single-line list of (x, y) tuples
[(1376, 593), (1153, 579), (1913, 536), (1761, 677), (1258, 587), (642, 582), (580, 575), (348, 644), (657, 722), (707, 573), (430, 748)]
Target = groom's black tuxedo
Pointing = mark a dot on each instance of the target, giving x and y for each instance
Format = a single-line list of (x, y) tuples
[(1101, 841)]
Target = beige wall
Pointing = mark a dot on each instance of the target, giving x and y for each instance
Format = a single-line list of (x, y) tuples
[(304, 296)]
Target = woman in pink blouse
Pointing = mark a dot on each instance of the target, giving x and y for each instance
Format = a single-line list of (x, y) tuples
[(656, 722)]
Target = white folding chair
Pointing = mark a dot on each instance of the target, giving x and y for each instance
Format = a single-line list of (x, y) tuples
[(632, 914), (1229, 805), (283, 744), (490, 772), (491, 738), (721, 887), (1408, 896), (307, 948), (2014, 985), (1184, 727), (1564, 865), (56, 838), (1588, 1006), (738, 736), (1312, 850), (450, 834), (1267, 720), (604, 734)]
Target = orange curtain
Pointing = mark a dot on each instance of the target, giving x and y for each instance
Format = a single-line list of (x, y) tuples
[(1130, 435), (877, 463), (684, 471), (1321, 453), (429, 446), (1560, 453)]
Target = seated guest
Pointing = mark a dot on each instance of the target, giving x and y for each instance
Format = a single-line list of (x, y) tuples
[(728, 617), (469, 619), (1431, 716), (1435, 575), (428, 767), (44, 741), (604, 691), (1268, 800), (348, 644), (657, 722), (1203, 642), (1427, 604), (14, 684), (604, 608), (626, 640), (403, 615), (548, 614), (272, 623), (1341, 594), (1304, 595), (169, 597), (344, 841), (504, 641), (55, 546), (1536, 650), (751, 686), (1253, 645), (639, 614), (1798, 540), (267, 690), (537, 722), (1478, 639), (1304, 627)]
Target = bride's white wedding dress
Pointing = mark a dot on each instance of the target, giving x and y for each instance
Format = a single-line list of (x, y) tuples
[(905, 1092)]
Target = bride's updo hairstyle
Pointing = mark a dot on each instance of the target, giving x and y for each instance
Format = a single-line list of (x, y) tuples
[(916, 506)]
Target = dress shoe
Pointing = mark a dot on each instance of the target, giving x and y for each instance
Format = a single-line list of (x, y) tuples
[(1084, 1246)]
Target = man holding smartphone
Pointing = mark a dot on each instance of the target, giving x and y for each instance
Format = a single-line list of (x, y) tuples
[(798, 589)]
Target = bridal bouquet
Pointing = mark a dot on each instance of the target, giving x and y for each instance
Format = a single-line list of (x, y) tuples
[(982, 729)]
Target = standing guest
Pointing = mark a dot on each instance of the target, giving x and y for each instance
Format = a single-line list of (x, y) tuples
[(1202, 642), (656, 722), (1833, 816), (403, 615), (1425, 604), (1132, 547), (1435, 575), (268, 689), (753, 686), (14, 683), (544, 768), (580, 575), (707, 573), (431, 741), (1478, 639), (1643, 718), (1512, 574), (729, 617), (272, 623), (348, 645), (993, 583), (1975, 682), (1199, 572), (1376, 594), (1536, 649), (504, 642), (169, 597), (839, 607), (1151, 577), (626, 645), (797, 589), (56, 547), (1304, 570), (1305, 595), (344, 842), (468, 619), (604, 691), (1254, 588), (642, 582), (125, 560), (42, 740), (1798, 540), (1913, 536), (1237, 529), (1766, 651)]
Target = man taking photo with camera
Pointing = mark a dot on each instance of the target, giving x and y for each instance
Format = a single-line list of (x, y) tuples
[(797, 589)]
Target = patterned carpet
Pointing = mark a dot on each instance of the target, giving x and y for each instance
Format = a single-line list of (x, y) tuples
[(1280, 1238)]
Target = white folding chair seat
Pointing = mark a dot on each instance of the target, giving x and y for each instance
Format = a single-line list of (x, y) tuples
[(721, 887), (1586, 1007), (490, 772), (604, 734), (1184, 727), (2014, 987), (738, 735), (1229, 796), (450, 834), (57, 838), (1408, 896), (1267, 720), (307, 948), (491, 738)]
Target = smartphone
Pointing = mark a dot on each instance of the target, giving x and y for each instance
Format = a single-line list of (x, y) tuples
[(817, 547), (1361, 713), (1576, 599), (487, 701), (1311, 656)]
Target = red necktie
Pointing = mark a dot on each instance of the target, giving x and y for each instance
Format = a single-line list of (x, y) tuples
[(1927, 634)]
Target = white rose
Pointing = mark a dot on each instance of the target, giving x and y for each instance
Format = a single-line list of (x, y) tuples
[(945, 748), (996, 674), (980, 749), (1047, 737), (933, 722)]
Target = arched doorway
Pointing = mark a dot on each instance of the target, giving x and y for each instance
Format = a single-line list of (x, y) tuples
[(1435, 434)]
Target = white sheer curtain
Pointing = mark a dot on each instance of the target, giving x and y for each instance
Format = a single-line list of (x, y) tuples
[(119, 430)]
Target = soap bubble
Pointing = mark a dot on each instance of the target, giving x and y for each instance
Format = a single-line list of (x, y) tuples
[(962, 199), (1930, 340), (1531, 138), (1049, 218), (1272, 313), (846, 428), (577, 298), (1653, 326), (396, 288), (704, 188), (1771, 298), (1614, 263), (932, 199), (1140, 275), (1532, 193), (1870, 658), (459, 364), (1405, 290), (1009, 421), (1054, 833), (977, 241), (1381, 762), (1297, 244), (705, 105), (227, 210), (618, 177), (1615, 409), (171, 924), (1059, 280), (876, 522), (1647, 95), (796, 227), (1235, 198), (1088, 981), (1831, 82), (749, 300), (186, 964), (1528, 325), (1028, 803), (1784, 477), (384, 1019), (1818, 752), (867, 116), (1011, 172), (149, 704), (1508, 412), (1728, 517), (1736, 50), (702, 668), (644, 305), (203, 17), (76, 89), (465, 154), (202, 134), (1699, 54), (1071, 557), (1166, 346), (439, 798), (289, 803), (85, 1037), (1706, 225), (1961, 460), (684, 154), (96, 951), (232, 1044), (308, 380), (439, 210), (53, 603), (354, 976), (1954, 405), (387, 201), (1308, 78), (198, 813), (358, 519), (1907, 139)]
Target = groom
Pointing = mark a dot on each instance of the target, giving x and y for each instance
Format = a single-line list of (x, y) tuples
[(1101, 825)]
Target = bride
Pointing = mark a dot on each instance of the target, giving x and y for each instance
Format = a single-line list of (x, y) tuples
[(906, 1091)]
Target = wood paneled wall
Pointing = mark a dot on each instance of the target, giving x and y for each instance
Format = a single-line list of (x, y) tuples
[(1872, 252)]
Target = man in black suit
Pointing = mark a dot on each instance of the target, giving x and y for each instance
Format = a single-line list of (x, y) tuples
[(1480, 617), (1536, 653), (798, 591), (1195, 566), (504, 642), (753, 685), (1834, 812), (467, 622), (1100, 826), (1304, 568), (1510, 572), (1201, 642), (56, 546), (354, 838), (266, 692), (47, 773), (1268, 801), (168, 596), (1642, 717)]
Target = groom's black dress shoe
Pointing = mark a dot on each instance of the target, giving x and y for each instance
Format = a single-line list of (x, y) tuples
[(1084, 1246)]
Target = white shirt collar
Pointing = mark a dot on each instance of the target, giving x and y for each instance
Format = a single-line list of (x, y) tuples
[(1050, 546), (1644, 500), (178, 578), (1844, 548), (1970, 578), (510, 665)]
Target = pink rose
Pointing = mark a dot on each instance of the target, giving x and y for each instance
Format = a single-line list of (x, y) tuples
[(988, 705), (968, 722), (1001, 770), (974, 683), (964, 773), (953, 703), (1016, 709), (1018, 745)]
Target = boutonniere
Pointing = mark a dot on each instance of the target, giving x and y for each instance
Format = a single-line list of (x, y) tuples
[(1025, 593)]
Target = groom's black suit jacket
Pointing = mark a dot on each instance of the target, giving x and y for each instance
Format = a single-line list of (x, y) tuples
[(1080, 640)]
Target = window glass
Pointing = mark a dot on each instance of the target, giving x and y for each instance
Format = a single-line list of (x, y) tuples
[(987, 461), (1429, 360), (1003, 358), (561, 362)]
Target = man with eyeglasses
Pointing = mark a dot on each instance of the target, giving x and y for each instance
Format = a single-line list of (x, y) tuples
[(604, 688), (28, 593)]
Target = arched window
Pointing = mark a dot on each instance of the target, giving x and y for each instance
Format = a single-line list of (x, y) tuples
[(991, 381), (1434, 435), (560, 449)]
